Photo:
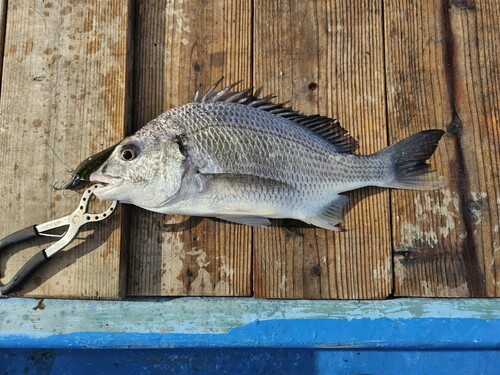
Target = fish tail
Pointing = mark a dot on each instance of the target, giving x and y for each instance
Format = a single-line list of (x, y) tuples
[(408, 157)]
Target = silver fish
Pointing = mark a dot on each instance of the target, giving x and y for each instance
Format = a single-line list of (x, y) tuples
[(236, 157)]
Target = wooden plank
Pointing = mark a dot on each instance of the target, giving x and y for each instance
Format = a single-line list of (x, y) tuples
[(426, 225), (3, 21), (474, 88), (63, 98), (445, 242), (325, 57), (178, 47)]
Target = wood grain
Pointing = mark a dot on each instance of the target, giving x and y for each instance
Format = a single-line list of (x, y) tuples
[(385, 69), (3, 22), (63, 98), (473, 31), (427, 225), (180, 46), (444, 241), (325, 57)]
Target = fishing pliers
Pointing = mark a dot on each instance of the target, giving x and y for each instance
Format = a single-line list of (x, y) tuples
[(73, 221)]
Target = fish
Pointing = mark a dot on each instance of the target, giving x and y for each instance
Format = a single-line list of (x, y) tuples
[(233, 155)]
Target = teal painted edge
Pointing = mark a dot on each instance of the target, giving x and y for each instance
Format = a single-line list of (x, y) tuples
[(229, 322)]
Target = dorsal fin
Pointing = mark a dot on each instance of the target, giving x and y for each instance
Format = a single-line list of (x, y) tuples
[(326, 127)]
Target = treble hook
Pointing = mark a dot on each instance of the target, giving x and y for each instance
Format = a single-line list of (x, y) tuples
[(64, 190), (85, 169)]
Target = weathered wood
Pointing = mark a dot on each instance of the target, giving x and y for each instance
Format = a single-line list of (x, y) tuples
[(445, 242), (178, 47), (426, 225), (473, 86), (325, 57), (64, 95), (63, 98), (3, 21)]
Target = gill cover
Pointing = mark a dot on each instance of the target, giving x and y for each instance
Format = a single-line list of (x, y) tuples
[(144, 171)]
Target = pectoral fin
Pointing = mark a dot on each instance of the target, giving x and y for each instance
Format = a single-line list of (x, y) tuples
[(332, 216), (235, 187), (254, 221)]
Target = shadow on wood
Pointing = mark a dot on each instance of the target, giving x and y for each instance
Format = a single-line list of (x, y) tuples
[(65, 258)]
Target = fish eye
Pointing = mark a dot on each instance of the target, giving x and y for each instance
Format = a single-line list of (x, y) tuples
[(128, 153)]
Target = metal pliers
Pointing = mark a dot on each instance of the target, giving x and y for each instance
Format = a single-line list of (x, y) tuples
[(74, 222)]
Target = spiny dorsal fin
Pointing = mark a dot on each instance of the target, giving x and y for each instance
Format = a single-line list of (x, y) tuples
[(326, 127)]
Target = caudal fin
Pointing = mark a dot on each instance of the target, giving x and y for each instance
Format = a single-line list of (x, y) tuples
[(408, 157)]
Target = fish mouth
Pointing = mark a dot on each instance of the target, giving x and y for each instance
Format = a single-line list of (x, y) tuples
[(107, 182), (103, 178)]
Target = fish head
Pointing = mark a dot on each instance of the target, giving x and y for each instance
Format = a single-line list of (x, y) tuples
[(145, 169)]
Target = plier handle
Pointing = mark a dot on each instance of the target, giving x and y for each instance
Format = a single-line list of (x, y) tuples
[(73, 221)]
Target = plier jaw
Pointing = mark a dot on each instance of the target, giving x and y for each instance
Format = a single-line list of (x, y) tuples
[(73, 221)]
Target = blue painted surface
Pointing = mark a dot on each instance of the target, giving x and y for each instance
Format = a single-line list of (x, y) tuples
[(383, 333), (250, 336), (248, 361)]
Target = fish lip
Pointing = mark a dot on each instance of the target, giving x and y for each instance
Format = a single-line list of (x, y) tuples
[(107, 185), (104, 179)]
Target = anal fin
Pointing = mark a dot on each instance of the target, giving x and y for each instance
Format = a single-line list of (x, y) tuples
[(332, 215)]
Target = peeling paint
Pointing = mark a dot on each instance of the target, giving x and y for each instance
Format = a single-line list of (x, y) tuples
[(215, 315), (203, 279), (200, 255), (446, 206), (180, 22), (478, 196), (382, 270), (411, 234), (224, 269), (226, 277), (433, 289), (400, 272), (282, 285), (202, 282), (173, 254), (476, 209)]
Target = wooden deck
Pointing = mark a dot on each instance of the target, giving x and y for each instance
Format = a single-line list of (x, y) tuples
[(79, 75)]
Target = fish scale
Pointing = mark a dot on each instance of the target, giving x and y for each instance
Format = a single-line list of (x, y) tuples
[(305, 162), (234, 156), (265, 147)]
